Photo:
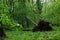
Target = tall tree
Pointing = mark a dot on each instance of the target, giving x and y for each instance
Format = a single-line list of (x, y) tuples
[(11, 4), (39, 5)]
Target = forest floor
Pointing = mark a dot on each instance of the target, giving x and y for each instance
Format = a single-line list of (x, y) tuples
[(24, 35)]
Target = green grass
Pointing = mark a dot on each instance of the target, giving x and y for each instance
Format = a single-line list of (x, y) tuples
[(28, 35)]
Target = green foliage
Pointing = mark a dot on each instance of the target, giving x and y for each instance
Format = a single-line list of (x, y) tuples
[(20, 35), (7, 21), (5, 16), (51, 11), (25, 8)]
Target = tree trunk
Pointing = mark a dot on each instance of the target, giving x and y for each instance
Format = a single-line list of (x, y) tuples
[(39, 6)]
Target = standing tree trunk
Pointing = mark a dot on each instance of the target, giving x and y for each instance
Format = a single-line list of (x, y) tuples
[(2, 33), (11, 4), (39, 6)]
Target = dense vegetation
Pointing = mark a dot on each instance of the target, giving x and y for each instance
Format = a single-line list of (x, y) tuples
[(18, 15)]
